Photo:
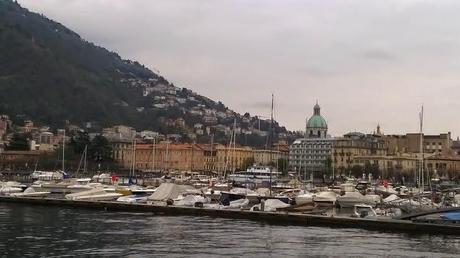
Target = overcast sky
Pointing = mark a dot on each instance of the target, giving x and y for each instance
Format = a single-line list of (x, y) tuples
[(364, 61)]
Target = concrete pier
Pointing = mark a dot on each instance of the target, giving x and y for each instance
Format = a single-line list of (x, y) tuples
[(388, 225)]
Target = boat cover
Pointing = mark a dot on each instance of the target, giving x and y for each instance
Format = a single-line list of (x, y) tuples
[(168, 191), (455, 215), (273, 204)]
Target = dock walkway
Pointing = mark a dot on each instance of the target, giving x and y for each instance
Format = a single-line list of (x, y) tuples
[(280, 218)]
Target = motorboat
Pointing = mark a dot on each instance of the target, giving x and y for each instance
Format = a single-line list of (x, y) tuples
[(167, 192), (232, 200), (349, 199), (385, 191), (10, 187), (251, 195), (191, 200), (99, 197), (303, 207), (347, 187), (255, 175), (305, 198), (236, 204), (83, 184), (410, 205), (103, 178), (132, 198), (457, 199), (143, 191), (96, 194), (270, 205), (94, 191), (212, 194), (325, 198), (30, 192), (363, 210), (48, 175), (53, 186), (446, 216)]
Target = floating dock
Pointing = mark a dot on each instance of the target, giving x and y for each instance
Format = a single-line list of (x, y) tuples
[(280, 218)]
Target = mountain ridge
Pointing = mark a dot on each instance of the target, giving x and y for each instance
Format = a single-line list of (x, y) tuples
[(49, 74)]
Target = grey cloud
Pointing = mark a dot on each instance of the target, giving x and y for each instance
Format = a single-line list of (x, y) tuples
[(378, 54), (364, 60)]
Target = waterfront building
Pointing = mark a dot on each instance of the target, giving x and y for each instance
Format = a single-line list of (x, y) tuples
[(354, 144), (410, 143), (312, 153), (233, 158), (19, 159), (210, 157), (387, 166), (269, 157), (443, 165), (164, 156)]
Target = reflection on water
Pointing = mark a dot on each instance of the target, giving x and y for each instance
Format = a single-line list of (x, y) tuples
[(39, 231)]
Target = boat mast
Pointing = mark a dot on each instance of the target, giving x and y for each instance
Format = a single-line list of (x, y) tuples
[(167, 156), (234, 147), (133, 156), (84, 161), (212, 144), (63, 152), (422, 177), (153, 155), (227, 155), (271, 143)]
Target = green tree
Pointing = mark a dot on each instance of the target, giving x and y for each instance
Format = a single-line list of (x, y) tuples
[(79, 142), (283, 166), (248, 162), (19, 142), (328, 166), (100, 149), (372, 169), (357, 171)]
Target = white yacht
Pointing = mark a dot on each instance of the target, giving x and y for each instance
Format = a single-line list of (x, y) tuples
[(83, 184), (363, 211), (96, 194), (349, 199), (30, 192), (10, 187), (48, 175), (53, 186), (325, 198), (255, 175)]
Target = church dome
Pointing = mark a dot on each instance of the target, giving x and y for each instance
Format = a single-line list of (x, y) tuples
[(316, 121)]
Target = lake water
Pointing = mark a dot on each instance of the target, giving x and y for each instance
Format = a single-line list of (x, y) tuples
[(40, 231)]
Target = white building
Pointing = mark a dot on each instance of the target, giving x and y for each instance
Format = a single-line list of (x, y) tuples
[(312, 153)]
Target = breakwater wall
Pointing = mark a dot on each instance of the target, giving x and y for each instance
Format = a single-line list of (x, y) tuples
[(388, 225)]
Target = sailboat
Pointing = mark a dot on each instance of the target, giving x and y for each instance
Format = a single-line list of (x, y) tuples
[(421, 176), (133, 163)]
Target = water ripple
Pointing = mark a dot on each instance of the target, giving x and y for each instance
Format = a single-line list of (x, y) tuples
[(27, 231)]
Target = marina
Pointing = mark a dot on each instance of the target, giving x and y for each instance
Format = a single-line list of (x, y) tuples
[(351, 203)]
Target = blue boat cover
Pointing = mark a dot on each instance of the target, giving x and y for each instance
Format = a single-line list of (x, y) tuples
[(454, 215)]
